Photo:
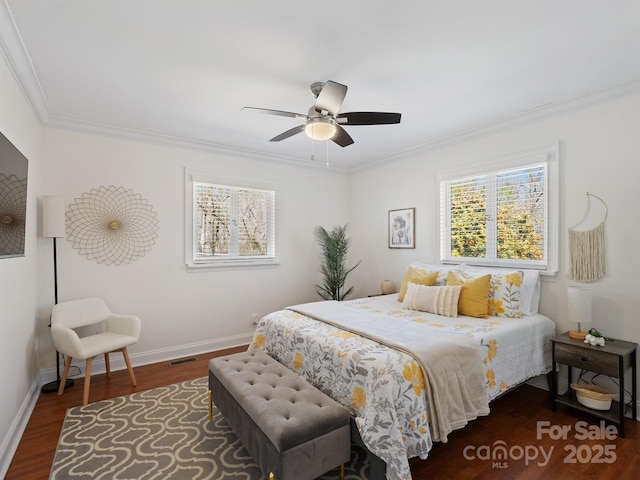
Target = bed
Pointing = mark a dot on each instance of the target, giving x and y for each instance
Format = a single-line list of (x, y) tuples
[(409, 377)]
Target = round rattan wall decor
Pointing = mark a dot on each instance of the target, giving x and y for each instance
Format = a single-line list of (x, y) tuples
[(111, 225)]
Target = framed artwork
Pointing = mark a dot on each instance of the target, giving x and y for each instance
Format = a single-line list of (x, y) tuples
[(402, 226)]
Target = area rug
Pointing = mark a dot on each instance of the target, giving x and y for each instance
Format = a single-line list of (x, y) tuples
[(160, 434)]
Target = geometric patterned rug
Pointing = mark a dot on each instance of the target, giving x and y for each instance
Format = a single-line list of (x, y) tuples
[(161, 434)]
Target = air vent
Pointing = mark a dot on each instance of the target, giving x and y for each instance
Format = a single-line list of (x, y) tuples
[(181, 361)]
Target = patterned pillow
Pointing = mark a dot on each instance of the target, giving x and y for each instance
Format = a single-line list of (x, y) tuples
[(529, 289), (441, 270), (505, 295), (438, 300), (416, 275)]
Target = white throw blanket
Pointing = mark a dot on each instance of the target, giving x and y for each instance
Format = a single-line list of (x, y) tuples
[(451, 362)]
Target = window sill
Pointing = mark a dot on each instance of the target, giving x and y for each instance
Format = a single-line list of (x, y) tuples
[(232, 265)]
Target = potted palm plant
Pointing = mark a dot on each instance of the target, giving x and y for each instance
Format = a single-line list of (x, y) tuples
[(335, 246)]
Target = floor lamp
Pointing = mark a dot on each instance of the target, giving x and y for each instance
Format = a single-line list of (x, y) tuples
[(53, 227)]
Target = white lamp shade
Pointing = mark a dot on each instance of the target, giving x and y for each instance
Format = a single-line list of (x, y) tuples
[(579, 304), (320, 129), (52, 217)]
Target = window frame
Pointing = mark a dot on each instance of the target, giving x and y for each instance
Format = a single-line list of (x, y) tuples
[(191, 260), (545, 154)]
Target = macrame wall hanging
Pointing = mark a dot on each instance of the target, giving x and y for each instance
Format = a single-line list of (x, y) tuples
[(586, 247)]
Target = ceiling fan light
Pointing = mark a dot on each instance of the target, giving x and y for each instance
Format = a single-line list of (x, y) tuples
[(320, 129)]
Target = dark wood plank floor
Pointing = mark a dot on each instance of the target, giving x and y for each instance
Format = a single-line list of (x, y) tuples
[(512, 424)]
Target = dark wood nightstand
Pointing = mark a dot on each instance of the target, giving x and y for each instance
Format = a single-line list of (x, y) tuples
[(613, 360)]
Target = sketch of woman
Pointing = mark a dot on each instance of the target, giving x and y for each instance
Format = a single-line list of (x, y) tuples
[(401, 231)]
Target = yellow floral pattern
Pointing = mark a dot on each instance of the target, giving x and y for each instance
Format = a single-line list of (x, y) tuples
[(359, 398), (258, 341), (493, 349), (298, 361), (504, 294), (413, 373)]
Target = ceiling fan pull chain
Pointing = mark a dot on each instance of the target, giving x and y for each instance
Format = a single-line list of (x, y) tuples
[(327, 144)]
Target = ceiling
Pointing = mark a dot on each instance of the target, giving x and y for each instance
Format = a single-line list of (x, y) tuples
[(181, 71)]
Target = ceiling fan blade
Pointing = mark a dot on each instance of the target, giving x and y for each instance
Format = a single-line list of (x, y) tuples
[(288, 133), (277, 112), (368, 118), (330, 98), (341, 137)]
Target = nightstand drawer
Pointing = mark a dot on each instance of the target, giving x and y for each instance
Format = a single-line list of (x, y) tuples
[(587, 359)]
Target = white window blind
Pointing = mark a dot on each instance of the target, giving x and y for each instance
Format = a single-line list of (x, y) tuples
[(231, 224), (500, 216)]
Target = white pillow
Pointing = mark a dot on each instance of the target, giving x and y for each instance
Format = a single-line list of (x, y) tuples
[(529, 290), (443, 270), (438, 300)]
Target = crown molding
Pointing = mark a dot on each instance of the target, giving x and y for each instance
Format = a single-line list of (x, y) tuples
[(530, 115), (15, 54)]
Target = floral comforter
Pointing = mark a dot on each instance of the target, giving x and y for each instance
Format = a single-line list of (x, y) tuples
[(384, 388)]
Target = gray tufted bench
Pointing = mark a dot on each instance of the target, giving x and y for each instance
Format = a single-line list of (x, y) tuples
[(290, 428)]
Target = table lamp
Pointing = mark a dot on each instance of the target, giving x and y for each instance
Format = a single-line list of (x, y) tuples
[(579, 310)]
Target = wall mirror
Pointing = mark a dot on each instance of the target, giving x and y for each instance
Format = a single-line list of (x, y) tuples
[(13, 199)]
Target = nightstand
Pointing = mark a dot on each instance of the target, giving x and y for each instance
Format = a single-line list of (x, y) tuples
[(613, 360)]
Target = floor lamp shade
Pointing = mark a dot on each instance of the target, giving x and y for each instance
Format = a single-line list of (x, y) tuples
[(53, 217), (53, 226), (579, 307)]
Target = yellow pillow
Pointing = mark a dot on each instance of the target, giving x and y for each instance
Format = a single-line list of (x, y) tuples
[(474, 296), (419, 276)]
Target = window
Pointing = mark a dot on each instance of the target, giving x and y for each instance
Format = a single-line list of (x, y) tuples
[(503, 213), (232, 222)]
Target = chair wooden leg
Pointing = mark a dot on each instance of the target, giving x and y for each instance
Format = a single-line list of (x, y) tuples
[(63, 380), (107, 364), (126, 360), (87, 381)]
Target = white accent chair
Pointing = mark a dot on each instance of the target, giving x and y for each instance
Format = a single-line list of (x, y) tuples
[(112, 333)]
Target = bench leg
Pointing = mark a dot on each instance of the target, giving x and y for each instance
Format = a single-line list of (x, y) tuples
[(342, 472), (210, 404)]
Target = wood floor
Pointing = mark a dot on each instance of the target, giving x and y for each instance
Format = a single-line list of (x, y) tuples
[(513, 424)]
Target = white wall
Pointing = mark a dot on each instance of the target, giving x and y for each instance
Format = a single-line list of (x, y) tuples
[(599, 153), (184, 313), (18, 277)]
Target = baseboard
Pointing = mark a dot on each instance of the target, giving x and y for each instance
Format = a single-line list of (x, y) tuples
[(153, 356), (10, 443), (540, 382)]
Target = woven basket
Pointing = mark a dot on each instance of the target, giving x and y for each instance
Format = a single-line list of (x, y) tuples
[(593, 396)]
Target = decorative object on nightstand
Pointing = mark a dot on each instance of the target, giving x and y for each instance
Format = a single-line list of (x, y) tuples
[(594, 338), (387, 287), (579, 309), (613, 360), (593, 396)]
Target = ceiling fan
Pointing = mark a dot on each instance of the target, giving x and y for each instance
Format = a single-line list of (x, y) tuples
[(323, 122)]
